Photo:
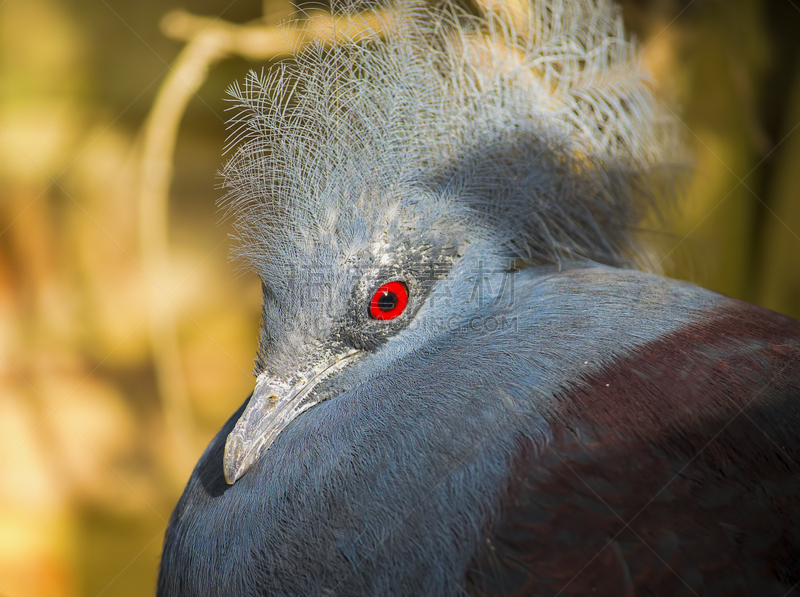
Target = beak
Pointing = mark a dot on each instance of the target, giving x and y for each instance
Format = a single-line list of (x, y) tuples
[(272, 407)]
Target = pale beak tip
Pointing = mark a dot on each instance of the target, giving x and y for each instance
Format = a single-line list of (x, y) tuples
[(232, 463), (230, 476)]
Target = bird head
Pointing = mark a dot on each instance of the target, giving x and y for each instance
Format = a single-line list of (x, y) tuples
[(367, 175), (337, 291)]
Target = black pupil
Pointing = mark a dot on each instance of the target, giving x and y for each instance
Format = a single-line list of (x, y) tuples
[(387, 301)]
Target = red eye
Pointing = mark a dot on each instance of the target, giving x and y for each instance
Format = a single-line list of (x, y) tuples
[(389, 301)]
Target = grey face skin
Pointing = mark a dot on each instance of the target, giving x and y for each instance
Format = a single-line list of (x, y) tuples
[(300, 355)]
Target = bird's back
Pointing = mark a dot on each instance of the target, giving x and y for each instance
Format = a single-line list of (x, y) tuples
[(674, 470)]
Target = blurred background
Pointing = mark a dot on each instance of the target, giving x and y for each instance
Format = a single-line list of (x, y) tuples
[(127, 335)]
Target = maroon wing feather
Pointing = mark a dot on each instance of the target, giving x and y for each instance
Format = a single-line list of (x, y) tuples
[(673, 472)]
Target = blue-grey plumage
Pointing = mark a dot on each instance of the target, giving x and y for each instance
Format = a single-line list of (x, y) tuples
[(459, 386), (395, 486)]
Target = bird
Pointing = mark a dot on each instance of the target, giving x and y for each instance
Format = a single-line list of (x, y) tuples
[(471, 377)]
